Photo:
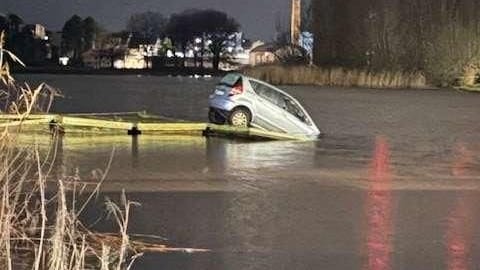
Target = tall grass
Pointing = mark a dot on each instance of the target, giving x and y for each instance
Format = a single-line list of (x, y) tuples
[(39, 226), (311, 75), (39, 214)]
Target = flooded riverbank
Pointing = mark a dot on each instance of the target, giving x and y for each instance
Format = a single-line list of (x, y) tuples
[(393, 184)]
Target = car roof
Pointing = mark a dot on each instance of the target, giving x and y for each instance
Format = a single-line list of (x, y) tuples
[(272, 86)]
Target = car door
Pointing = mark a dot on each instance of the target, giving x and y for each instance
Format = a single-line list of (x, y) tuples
[(296, 117), (268, 113)]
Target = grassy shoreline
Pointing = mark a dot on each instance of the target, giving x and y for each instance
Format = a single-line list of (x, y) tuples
[(275, 74), (338, 77)]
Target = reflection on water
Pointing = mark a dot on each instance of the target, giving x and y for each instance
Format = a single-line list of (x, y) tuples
[(290, 205), (286, 205), (379, 210), (241, 163), (459, 220), (145, 163)]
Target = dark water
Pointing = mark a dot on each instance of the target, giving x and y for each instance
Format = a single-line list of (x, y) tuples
[(395, 183)]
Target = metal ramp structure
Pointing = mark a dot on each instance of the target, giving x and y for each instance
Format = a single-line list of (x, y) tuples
[(133, 123)]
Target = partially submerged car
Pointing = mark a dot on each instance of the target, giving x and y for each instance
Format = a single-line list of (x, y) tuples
[(242, 101)]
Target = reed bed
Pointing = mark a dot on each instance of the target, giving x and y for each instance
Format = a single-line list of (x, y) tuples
[(40, 227), (340, 77)]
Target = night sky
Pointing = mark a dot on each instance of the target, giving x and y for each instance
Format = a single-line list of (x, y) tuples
[(257, 17)]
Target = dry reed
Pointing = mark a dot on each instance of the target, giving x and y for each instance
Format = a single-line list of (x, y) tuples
[(39, 227), (340, 77)]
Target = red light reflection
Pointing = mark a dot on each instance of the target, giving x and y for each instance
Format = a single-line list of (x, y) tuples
[(378, 209), (458, 232)]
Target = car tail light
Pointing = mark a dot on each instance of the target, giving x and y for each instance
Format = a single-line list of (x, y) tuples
[(237, 89)]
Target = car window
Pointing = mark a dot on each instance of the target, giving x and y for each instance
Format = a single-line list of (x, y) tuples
[(268, 93), (230, 79), (279, 99), (293, 108)]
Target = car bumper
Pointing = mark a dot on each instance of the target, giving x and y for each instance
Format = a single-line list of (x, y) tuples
[(220, 112), (221, 104)]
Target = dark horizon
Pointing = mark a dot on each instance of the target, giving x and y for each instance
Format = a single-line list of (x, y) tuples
[(256, 17)]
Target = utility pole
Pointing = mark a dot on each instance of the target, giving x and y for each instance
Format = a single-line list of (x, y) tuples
[(296, 21)]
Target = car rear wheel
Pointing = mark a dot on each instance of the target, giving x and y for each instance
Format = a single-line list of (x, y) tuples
[(240, 117)]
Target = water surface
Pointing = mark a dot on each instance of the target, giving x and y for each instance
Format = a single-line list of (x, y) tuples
[(394, 184)]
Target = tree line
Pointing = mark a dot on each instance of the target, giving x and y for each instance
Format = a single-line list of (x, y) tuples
[(79, 35), (207, 30), (438, 37)]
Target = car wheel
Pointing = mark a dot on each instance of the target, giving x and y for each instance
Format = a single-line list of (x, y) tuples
[(215, 117), (240, 117)]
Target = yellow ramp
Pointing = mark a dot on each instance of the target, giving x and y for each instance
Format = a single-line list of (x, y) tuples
[(102, 122)]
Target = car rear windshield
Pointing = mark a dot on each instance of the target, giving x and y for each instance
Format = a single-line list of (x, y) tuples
[(230, 79)]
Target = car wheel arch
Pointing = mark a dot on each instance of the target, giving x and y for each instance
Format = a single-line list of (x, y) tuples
[(249, 110)]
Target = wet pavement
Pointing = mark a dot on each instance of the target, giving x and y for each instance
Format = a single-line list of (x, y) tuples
[(394, 184)]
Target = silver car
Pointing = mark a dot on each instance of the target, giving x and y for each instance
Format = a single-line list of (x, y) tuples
[(242, 101)]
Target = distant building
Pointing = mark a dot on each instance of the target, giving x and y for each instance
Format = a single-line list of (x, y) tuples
[(274, 53), (89, 59), (97, 59), (112, 57), (139, 53), (37, 30), (264, 54), (135, 58), (133, 53)]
